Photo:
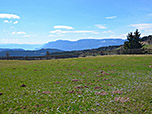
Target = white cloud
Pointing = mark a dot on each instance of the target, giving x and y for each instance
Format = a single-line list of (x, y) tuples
[(24, 34), (63, 27), (112, 17), (21, 33), (101, 26), (57, 32), (146, 32), (109, 31), (9, 41), (124, 36), (64, 32), (143, 26), (13, 33), (18, 33), (121, 36), (6, 21), (9, 16), (15, 22)]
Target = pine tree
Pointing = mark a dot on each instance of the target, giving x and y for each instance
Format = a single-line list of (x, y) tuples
[(133, 41)]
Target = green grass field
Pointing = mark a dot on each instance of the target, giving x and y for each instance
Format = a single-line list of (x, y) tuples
[(92, 85)]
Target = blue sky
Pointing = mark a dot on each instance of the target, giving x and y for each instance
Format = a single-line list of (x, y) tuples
[(41, 21)]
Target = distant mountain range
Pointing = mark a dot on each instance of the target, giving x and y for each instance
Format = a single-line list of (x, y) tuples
[(56, 46), (21, 46), (64, 45), (82, 44), (21, 52), (7, 49), (67, 45)]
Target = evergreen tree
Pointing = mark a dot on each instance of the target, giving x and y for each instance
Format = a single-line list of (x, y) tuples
[(133, 41)]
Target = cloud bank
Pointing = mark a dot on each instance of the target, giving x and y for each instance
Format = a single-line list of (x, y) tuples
[(63, 27), (18, 33), (64, 32), (9, 16), (142, 26), (7, 21), (146, 28), (112, 17)]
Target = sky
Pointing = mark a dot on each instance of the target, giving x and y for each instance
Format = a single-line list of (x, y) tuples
[(42, 21)]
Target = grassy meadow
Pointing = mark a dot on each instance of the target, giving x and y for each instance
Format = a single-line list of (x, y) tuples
[(91, 85)]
